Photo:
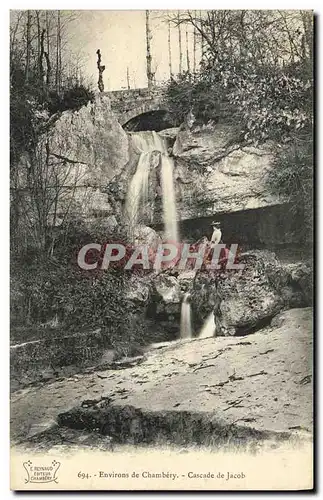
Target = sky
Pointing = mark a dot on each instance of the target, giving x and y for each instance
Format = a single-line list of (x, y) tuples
[(121, 37)]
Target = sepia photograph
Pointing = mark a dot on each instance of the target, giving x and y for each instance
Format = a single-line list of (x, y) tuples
[(161, 250)]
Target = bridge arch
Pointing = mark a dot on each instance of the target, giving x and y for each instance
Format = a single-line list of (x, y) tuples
[(140, 109), (154, 119)]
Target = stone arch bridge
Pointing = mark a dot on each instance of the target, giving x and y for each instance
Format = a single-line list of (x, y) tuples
[(138, 105)]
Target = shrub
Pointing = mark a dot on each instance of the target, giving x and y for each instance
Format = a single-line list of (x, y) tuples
[(292, 177), (191, 93), (73, 98), (268, 102)]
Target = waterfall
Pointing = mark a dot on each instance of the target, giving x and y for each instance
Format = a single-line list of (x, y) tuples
[(138, 190), (208, 328), (145, 143), (169, 205), (186, 325)]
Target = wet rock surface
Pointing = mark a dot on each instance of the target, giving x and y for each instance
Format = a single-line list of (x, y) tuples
[(257, 384)]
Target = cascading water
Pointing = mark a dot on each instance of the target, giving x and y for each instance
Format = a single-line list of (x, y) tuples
[(145, 143), (169, 205), (208, 329), (186, 324), (138, 190)]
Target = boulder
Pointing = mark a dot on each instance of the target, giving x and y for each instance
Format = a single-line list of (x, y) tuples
[(92, 137), (170, 134), (186, 280), (300, 279), (138, 289), (167, 289), (165, 303), (204, 145), (247, 299), (144, 235)]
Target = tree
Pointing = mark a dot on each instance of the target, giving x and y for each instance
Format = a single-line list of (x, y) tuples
[(128, 78), (58, 75), (194, 48), (265, 36), (187, 53), (150, 74), (47, 52), (169, 51), (28, 45), (180, 70)]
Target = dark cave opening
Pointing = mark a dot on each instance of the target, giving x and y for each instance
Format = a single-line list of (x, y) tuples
[(152, 120), (254, 228), (273, 228)]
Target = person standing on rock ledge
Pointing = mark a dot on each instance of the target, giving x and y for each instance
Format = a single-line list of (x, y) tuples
[(216, 239), (217, 233)]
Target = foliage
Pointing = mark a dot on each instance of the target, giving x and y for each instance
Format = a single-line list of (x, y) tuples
[(73, 98), (256, 70), (292, 177), (46, 291), (270, 103), (189, 93), (267, 102), (75, 298)]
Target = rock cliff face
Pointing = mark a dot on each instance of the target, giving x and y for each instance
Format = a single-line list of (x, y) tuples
[(214, 176), (217, 176), (93, 136), (89, 147)]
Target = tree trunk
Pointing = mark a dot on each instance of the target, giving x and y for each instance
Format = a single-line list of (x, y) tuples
[(202, 39), (41, 57), (28, 46), (47, 54), (187, 54), (128, 78), (180, 44), (38, 33), (194, 48), (150, 75), (169, 53), (58, 53)]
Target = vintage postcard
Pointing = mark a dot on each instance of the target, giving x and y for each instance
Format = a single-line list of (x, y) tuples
[(161, 214)]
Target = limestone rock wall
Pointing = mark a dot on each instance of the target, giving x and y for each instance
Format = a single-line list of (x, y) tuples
[(87, 149), (215, 175)]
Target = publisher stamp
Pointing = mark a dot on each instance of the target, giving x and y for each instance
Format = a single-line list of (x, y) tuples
[(41, 473)]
